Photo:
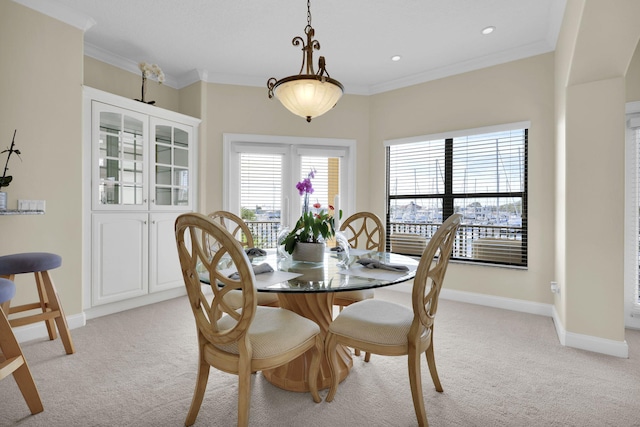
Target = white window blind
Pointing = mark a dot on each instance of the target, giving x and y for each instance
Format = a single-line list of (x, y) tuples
[(260, 175), (479, 175), (261, 186), (326, 182), (633, 181)]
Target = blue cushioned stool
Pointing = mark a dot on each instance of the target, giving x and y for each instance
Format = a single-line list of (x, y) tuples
[(39, 263), (14, 361)]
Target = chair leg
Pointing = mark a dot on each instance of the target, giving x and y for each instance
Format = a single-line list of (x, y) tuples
[(55, 305), (330, 344), (11, 350), (431, 361), (415, 381), (198, 393), (44, 303), (244, 393), (314, 368)]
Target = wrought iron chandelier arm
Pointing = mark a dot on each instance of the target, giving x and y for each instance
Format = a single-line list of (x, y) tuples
[(307, 94)]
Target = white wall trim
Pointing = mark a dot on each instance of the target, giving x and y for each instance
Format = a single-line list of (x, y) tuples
[(116, 307), (39, 330), (498, 302), (567, 339), (589, 342)]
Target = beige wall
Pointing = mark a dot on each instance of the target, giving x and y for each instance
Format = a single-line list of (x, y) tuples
[(596, 46), (41, 97), (633, 77), (115, 80), (513, 92), (42, 71), (248, 110)]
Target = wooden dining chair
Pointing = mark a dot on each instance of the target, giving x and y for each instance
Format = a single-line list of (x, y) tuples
[(13, 361), (363, 230), (239, 229), (389, 329), (238, 341)]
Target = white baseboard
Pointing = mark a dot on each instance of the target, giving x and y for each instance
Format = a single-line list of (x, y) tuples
[(498, 302), (567, 339), (38, 330), (116, 307), (589, 342)]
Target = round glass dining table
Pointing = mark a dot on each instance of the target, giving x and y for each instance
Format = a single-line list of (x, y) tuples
[(308, 288)]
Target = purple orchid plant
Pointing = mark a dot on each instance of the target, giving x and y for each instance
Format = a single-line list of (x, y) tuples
[(311, 227)]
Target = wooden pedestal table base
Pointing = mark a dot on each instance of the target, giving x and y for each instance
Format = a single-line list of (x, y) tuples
[(293, 375)]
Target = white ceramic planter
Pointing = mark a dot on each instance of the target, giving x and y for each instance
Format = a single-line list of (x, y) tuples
[(309, 252)]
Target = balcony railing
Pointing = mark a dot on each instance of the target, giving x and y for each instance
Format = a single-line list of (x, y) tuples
[(501, 244), (265, 233)]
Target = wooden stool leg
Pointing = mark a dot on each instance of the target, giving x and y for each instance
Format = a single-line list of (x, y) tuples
[(7, 304), (13, 354), (45, 305), (61, 320)]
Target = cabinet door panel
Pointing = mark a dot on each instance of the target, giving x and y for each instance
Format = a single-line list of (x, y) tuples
[(120, 257), (172, 165), (165, 265), (119, 159)]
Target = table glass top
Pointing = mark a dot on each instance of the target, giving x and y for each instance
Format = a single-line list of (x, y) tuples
[(328, 276)]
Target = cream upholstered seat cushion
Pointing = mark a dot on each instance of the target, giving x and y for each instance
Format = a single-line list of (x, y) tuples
[(355, 296), (374, 321), (273, 331)]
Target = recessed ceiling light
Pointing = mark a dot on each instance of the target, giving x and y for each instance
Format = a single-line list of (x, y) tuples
[(396, 58), (488, 30)]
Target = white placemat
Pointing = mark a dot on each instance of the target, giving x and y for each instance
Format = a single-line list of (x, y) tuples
[(376, 273), (264, 280)]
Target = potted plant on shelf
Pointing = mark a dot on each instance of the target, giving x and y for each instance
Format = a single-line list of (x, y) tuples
[(307, 240), (6, 180), (149, 71)]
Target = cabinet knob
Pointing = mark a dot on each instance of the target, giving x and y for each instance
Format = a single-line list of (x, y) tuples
[(145, 221)]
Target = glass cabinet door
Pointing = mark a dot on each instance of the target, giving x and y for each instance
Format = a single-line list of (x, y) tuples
[(119, 154), (172, 147)]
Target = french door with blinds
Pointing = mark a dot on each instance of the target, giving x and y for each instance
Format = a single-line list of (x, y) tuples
[(632, 218), (262, 173)]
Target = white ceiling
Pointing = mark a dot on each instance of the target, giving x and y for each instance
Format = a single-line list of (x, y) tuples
[(247, 41)]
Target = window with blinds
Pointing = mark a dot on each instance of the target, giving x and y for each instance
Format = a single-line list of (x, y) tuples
[(326, 183), (632, 223), (261, 186), (481, 174)]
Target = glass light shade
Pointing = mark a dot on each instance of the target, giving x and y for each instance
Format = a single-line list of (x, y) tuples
[(307, 95)]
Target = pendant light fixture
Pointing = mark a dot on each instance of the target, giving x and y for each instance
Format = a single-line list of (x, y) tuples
[(310, 94)]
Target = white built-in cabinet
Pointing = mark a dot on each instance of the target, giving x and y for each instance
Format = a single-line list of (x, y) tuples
[(142, 176)]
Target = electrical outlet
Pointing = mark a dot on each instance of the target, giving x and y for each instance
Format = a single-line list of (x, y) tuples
[(555, 288), (31, 205)]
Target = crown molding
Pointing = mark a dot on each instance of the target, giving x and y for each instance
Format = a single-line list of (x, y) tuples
[(515, 54), (121, 62), (60, 12)]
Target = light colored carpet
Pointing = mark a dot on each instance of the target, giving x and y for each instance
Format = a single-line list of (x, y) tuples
[(497, 367)]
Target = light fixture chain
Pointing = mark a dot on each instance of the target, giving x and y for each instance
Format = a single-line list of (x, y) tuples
[(307, 94)]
